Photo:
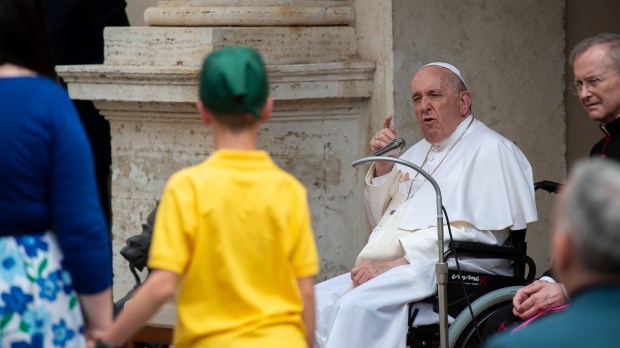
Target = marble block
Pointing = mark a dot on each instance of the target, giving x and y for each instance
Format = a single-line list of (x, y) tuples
[(182, 46)]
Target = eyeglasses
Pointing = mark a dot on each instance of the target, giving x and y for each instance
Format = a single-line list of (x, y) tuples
[(590, 83)]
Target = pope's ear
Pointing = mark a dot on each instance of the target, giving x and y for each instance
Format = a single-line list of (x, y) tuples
[(464, 102), (205, 115)]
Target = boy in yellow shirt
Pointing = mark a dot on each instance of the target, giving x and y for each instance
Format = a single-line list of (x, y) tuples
[(233, 233)]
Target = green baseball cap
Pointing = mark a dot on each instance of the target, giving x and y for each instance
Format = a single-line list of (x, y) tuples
[(233, 81)]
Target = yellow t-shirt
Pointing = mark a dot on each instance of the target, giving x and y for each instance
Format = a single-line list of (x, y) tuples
[(237, 228)]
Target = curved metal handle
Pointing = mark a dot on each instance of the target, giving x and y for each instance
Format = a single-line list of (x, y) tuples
[(442, 266)]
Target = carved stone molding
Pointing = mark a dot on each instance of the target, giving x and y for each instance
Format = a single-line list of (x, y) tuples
[(341, 80), (259, 14)]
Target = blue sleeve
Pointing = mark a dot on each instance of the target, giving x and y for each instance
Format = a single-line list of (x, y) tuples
[(77, 217)]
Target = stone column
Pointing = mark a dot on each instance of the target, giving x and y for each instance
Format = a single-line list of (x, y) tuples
[(146, 88)]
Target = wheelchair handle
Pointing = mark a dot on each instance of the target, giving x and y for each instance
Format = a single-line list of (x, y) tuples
[(549, 186)]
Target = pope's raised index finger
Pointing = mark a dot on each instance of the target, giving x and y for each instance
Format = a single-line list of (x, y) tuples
[(387, 123)]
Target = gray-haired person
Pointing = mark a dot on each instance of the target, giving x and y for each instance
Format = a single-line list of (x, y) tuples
[(586, 260)]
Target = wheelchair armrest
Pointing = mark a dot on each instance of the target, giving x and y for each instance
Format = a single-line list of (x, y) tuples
[(487, 251), (483, 249)]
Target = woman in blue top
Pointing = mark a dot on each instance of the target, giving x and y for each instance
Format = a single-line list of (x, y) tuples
[(55, 257)]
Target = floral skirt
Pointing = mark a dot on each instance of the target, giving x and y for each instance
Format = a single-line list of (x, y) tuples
[(38, 306)]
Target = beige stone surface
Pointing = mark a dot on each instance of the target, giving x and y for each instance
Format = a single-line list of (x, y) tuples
[(316, 143), (163, 46), (253, 3), (192, 14), (135, 10), (164, 85), (375, 43)]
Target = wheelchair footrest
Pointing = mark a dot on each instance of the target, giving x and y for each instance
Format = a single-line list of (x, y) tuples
[(426, 336)]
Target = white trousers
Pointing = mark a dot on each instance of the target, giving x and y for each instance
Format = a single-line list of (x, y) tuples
[(373, 314)]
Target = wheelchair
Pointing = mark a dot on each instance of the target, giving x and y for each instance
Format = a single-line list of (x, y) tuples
[(136, 253), (484, 293)]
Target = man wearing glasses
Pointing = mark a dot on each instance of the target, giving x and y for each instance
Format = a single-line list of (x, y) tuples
[(596, 71), (596, 67)]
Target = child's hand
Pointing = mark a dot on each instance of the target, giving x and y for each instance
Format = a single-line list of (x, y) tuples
[(101, 344), (94, 339)]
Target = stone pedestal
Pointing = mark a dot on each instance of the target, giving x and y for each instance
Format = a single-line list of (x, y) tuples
[(147, 86)]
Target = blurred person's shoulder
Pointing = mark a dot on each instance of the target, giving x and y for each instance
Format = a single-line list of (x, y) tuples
[(42, 87), (35, 95)]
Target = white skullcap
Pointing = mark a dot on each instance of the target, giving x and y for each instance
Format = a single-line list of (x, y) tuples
[(449, 67)]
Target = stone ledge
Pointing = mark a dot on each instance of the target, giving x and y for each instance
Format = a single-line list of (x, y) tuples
[(351, 80), (255, 16), (254, 3), (177, 113)]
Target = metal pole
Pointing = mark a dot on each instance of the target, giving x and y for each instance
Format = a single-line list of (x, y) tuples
[(441, 269)]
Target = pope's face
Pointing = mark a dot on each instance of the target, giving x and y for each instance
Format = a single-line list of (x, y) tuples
[(438, 106), (602, 103)]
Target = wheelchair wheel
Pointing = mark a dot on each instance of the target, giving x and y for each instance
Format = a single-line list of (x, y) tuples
[(462, 333)]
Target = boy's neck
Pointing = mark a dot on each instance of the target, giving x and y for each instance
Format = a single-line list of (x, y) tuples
[(245, 140)]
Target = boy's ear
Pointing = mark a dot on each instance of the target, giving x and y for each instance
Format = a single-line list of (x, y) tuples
[(266, 110), (205, 115)]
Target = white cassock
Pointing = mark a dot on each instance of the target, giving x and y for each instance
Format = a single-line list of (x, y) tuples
[(487, 190)]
